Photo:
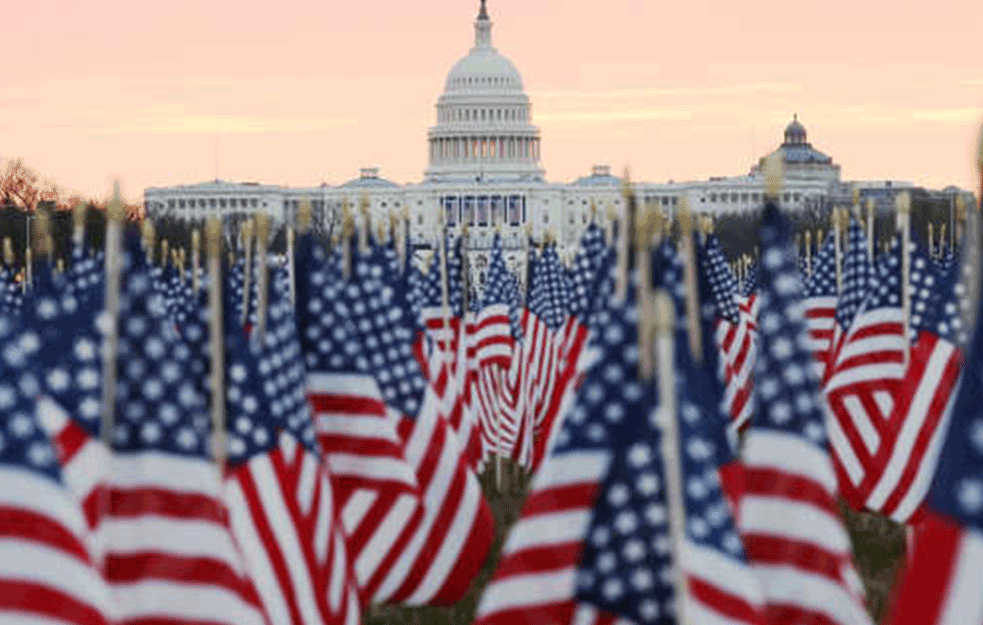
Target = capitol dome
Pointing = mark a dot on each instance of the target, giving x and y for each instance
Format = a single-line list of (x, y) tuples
[(795, 132), (483, 130)]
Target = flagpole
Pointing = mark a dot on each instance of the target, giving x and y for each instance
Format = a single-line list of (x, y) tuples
[(195, 262), (110, 343), (668, 422), (624, 225), (808, 238), (931, 241), (262, 276), (247, 272), (78, 221), (839, 253), (291, 271), (903, 205), (213, 237), (686, 249)]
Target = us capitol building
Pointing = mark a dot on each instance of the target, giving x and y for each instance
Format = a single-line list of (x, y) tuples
[(485, 170)]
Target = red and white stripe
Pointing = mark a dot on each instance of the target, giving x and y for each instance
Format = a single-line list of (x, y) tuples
[(535, 581), (910, 452), (793, 535), (720, 589), (450, 544), (283, 517), (47, 573), (160, 522), (860, 391), (378, 497), (737, 343), (820, 314), (942, 584)]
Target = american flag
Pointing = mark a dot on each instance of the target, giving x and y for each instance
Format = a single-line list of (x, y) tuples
[(942, 584), (862, 384), (592, 544), (497, 415), (857, 273), (542, 373), (789, 518), (47, 571), (280, 501), (735, 333), (721, 585), (910, 452), (750, 281), (820, 303), (158, 512), (376, 490), (449, 546)]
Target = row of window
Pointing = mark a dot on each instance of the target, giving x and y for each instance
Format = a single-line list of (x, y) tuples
[(517, 114), (483, 147), (753, 197), (484, 80), (214, 203), (484, 210)]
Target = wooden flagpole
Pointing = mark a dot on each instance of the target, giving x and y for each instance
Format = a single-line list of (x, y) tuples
[(668, 415), (247, 272), (262, 275), (903, 205), (213, 237)]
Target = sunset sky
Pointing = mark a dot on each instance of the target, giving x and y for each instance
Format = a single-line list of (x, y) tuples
[(302, 92)]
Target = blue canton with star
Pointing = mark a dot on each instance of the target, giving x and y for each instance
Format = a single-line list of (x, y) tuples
[(785, 384)]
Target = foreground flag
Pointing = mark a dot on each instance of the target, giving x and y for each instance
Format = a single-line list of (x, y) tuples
[(820, 303), (865, 377), (943, 584), (592, 542), (280, 503), (735, 333), (912, 435), (47, 571), (789, 518), (452, 541), (377, 493)]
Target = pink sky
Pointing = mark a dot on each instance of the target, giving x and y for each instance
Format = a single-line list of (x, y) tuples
[(302, 92)]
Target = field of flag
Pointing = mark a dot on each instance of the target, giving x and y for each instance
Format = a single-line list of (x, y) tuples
[(212, 436)]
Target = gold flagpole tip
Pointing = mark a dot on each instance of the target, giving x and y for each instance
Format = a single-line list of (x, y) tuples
[(8, 250), (645, 223), (363, 203), (42, 231), (903, 202), (593, 208), (528, 230), (262, 226), (304, 216), (856, 197), (960, 208), (684, 216), (78, 214), (195, 240), (773, 170), (147, 230), (870, 205), (213, 236), (115, 210)]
